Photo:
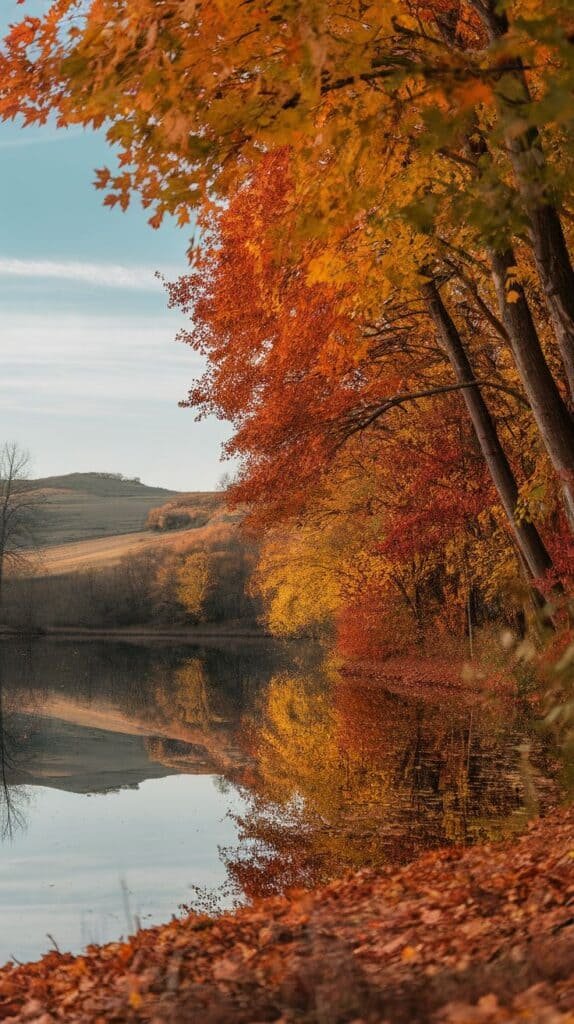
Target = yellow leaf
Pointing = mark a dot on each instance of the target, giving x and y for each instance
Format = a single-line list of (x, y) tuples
[(325, 268)]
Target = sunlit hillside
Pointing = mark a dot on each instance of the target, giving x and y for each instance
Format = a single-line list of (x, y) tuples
[(130, 576), (80, 506), (210, 526)]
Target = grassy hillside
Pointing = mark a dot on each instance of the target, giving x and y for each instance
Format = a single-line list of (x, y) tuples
[(203, 522), (99, 553), (104, 485), (86, 506), (96, 569)]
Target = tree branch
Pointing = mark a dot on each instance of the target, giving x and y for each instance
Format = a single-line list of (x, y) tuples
[(413, 396)]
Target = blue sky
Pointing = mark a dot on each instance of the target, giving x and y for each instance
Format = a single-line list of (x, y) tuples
[(91, 373)]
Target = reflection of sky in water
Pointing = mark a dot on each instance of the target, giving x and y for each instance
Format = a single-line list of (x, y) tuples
[(63, 874)]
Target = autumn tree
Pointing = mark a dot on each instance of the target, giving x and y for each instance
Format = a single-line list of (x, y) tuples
[(299, 386), (193, 582), (389, 545), (413, 245)]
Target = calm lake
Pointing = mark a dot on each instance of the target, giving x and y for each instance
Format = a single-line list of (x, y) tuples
[(138, 779)]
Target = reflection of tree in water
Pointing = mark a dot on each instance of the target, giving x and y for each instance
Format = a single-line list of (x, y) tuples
[(335, 775), (13, 798), (187, 698), (349, 776), (201, 722)]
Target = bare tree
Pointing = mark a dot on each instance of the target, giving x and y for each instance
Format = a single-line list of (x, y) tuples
[(19, 510), (224, 482)]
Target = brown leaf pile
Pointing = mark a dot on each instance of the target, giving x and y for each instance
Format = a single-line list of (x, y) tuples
[(477, 937)]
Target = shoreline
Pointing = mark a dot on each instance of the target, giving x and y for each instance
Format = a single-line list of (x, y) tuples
[(483, 934), (139, 633)]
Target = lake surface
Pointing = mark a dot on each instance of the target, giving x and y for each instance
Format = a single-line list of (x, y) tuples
[(138, 779)]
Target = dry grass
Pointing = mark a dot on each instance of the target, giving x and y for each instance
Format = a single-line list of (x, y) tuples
[(101, 553), (85, 506), (104, 552)]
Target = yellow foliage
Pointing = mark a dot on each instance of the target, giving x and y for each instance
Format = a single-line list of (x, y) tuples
[(193, 580)]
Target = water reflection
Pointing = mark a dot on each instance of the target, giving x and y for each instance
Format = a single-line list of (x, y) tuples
[(12, 798), (99, 717), (121, 750), (352, 775), (316, 773)]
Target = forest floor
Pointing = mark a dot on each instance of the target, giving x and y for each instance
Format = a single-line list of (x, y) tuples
[(480, 936)]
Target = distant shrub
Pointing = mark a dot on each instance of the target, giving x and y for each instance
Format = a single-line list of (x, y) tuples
[(168, 518), (186, 511), (116, 476), (194, 578)]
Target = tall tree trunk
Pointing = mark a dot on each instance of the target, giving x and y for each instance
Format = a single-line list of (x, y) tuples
[(551, 254), (552, 262), (548, 242), (2, 554), (552, 416), (550, 412), (528, 540)]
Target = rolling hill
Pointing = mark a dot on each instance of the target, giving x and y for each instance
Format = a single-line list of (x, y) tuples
[(108, 551), (89, 506), (98, 552), (217, 529)]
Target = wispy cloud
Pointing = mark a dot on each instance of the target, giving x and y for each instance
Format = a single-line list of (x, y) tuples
[(84, 364), (106, 275), (26, 140), (102, 390)]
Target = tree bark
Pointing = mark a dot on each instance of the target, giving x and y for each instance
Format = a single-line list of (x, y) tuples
[(549, 409), (549, 245), (551, 255), (528, 540)]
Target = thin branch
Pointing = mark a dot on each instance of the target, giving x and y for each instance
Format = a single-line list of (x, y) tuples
[(413, 396), (482, 305)]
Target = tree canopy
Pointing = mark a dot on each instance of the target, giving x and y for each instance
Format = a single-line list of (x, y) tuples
[(381, 278)]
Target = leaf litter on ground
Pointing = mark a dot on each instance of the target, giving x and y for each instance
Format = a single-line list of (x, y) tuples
[(477, 936)]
